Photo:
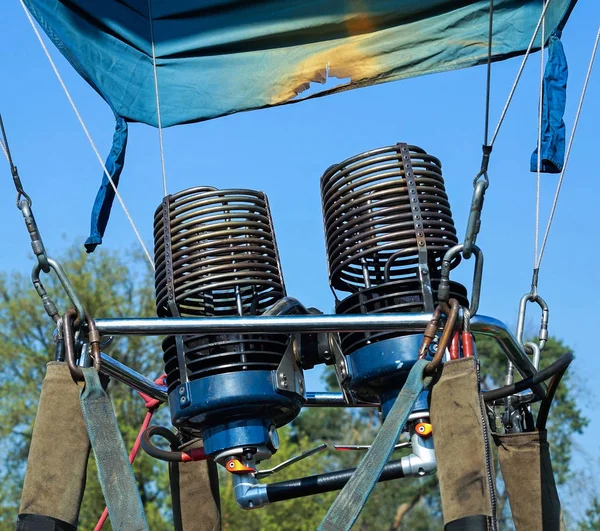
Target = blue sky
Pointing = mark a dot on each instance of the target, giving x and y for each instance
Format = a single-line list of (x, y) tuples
[(283, 151)]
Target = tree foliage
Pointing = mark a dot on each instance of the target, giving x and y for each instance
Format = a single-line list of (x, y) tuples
[(121, 286), (108, 285)]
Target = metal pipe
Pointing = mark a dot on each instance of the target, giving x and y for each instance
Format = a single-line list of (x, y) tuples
[(329, 399), (512, 349), (115, 369), (410, 322), (402, 322), (320, 483)]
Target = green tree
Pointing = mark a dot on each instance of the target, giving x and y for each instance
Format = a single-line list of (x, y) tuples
[(108, 284), (121, 286), (591, 521), (414, 503)]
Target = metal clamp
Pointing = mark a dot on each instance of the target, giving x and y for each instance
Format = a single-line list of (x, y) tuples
[(289, 375), (444, 288), (474, 222), (49, 305), (36, 240), (341, 367), (543, 334), (480, 183)]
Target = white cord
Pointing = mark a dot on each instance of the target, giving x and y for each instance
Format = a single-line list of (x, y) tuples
[(514, 87), (562, 173), (160, 135), (88, 135), (539, 147)]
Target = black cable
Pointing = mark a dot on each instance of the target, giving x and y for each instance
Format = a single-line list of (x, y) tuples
[(547, 401), (154, 451), (502, 392), (298, 488)]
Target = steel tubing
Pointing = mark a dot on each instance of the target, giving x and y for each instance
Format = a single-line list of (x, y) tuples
[(115, 369), (409, 322)]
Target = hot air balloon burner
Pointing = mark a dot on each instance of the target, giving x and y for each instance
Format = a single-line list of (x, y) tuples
[(216, 255), (388, 225)]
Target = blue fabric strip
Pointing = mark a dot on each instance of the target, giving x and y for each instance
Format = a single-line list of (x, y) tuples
[(349, 503), (553, 109), (106, 194), (116, 476)]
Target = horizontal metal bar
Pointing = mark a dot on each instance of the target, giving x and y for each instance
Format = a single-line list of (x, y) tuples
[(403, 323), (408, 322), (330, 399), (510, 346), (115, 369)]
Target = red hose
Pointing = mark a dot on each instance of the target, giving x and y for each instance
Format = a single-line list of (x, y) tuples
[(467, 344), (455, 346), (152, 405)]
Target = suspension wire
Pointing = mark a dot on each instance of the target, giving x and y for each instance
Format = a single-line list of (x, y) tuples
[(488, 88), (4, 144), (5, 151), (570, 144), (87, 133), (520, 72), (13, 169), (538, 180), (160, 134), (481, 181)]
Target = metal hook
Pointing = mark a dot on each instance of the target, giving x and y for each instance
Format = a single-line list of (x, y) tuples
[(444, 287), (49, 305), (543, 334)]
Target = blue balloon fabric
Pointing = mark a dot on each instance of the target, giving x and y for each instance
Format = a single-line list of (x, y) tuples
[(553, 109), (218, 57), (106, 193)]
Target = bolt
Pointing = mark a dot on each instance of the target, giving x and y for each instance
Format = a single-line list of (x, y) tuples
[(421, 244), (424, 272), (183, 399), (181, 390)]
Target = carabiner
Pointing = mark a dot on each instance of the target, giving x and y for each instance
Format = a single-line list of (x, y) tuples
[(543, 334), (474, 222), (70, 320), (444, 287), (49, 305)]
